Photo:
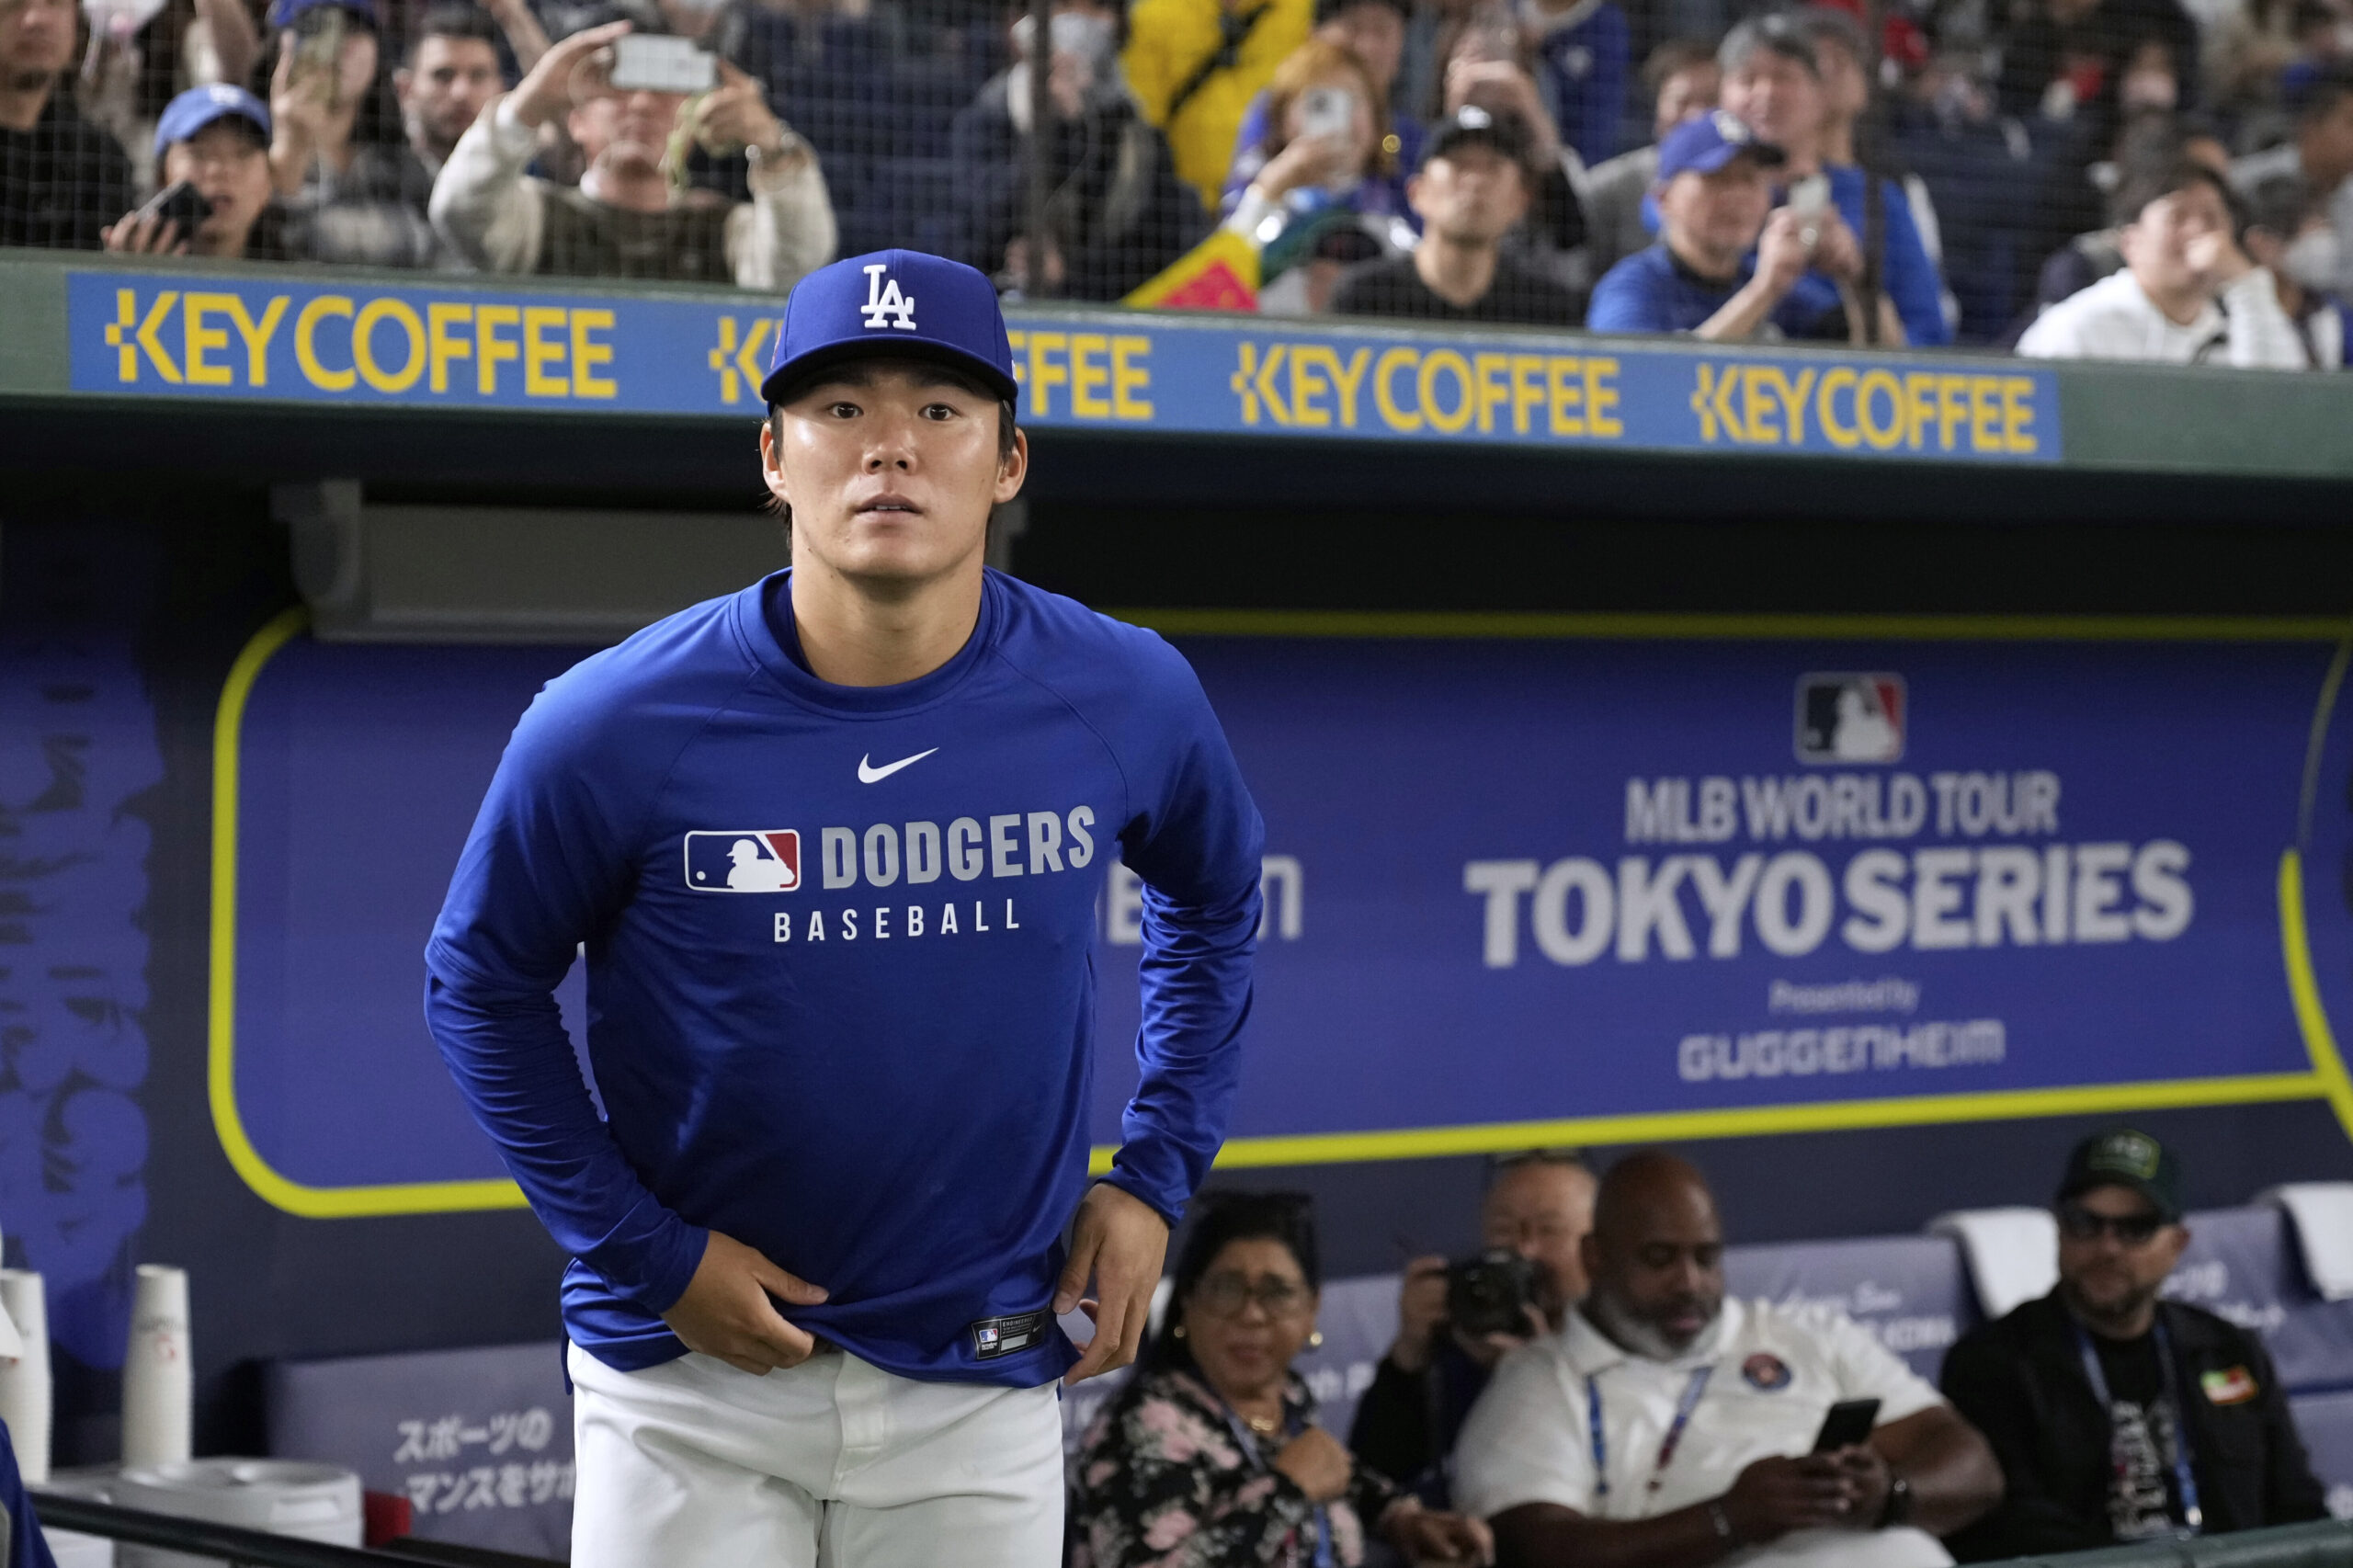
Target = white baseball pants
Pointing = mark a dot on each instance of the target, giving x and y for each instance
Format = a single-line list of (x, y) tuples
[(833, 1463)]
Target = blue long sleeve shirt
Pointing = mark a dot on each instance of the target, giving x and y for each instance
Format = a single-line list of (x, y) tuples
[(1584, 58), (839, 960), (1910, 276)]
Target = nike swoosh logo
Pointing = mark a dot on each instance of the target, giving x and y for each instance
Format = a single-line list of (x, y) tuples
[(869, 774)]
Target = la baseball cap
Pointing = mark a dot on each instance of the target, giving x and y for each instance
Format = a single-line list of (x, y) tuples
[(286, 13), (1473, 125), (895, 302), (1707, 144), (200, 107), (2129, 1158)]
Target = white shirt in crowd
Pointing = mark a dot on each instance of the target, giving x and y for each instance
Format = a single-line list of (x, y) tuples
[(2115, 319), (1772, 1373), (494, 216)]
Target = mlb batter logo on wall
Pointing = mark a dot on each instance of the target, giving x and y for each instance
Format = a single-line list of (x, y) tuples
[(745, 860), (1850, 718)]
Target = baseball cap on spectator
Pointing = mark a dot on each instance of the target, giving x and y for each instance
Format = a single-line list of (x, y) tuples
[(901, 303), (1473, 125), (201, 107), (2128, 1158), (1775, 30), (286, 13), (1706, 144)]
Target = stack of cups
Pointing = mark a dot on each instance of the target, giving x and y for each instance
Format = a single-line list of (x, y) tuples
[(158, 1376)]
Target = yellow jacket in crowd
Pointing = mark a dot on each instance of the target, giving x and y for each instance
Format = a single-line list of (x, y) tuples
[(1171, 41)]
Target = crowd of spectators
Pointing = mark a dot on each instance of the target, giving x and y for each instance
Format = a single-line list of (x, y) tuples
[(1619, 1406), (2147, 179)]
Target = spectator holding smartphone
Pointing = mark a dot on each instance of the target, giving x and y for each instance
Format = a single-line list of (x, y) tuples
[(1321, 199), (358, 202), (633, 215), (1613, 1441), (1374, 31), (63, 178), (1773, 83), (213, 143), (1728, 263)]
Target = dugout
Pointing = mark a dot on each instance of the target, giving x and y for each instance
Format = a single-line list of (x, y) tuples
[(1326, 513)]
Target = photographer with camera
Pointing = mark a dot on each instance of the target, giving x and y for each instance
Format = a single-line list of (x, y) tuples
[(1455, 1322), (1665, 1426)]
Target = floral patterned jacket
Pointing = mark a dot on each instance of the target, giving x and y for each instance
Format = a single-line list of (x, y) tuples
[(1163, 1481)]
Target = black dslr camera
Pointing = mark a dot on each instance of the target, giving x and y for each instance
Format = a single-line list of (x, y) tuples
[(1490, 1293)]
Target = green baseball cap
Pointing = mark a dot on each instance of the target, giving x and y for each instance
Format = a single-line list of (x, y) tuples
[(2126, 1157)]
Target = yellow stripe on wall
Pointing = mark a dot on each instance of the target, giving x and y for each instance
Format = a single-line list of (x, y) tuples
[(220, 1074)]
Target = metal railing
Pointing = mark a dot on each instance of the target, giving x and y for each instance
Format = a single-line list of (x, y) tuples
[(256, 1549), (2327, 1544)]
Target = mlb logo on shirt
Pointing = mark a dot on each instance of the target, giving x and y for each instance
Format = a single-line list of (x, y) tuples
[(745, 860), (1850, 718)]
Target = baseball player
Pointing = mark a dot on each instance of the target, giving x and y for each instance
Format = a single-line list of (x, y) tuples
[(833, 845)]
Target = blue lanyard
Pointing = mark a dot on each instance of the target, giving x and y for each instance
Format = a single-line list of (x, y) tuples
[(2193, 1517), (1249, 1441), (1692, 1391)]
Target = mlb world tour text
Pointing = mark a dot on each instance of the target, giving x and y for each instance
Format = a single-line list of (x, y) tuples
[(1945, 895), (1947, 862)]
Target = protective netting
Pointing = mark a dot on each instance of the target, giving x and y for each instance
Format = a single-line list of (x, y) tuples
[(1939, 170)]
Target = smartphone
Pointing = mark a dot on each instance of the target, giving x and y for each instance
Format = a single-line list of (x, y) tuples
[(1810, 196), (661, 63), (318, 48), (1849, 1421), (179, 202), (1326, 111)]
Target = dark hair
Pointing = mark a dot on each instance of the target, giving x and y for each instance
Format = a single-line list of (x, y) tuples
[(2146, 186), (451, 21), (2281, 205), (1776, 30), (962, 381), (2319, 97), (1672, 58), (1220, 1219)]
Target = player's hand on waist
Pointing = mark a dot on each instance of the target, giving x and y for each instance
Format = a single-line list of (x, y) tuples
[(1119, 1242), (730, 1310)]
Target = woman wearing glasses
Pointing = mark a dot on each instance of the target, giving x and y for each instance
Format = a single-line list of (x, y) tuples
[(1211, 1457)]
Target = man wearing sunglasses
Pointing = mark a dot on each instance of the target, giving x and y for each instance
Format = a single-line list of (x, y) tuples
[(2117, 1416)]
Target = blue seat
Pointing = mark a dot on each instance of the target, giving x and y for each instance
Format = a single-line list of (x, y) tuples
[(480, 1441), (1911, 1292), (2242, 1264)]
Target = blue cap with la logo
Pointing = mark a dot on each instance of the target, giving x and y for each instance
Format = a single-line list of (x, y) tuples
[(896, 302)]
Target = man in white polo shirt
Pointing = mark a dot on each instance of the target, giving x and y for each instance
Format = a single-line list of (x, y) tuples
[(1667, 1428)]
